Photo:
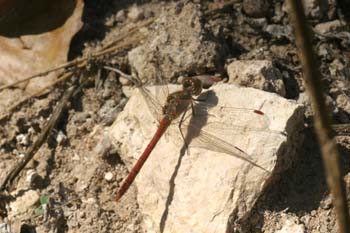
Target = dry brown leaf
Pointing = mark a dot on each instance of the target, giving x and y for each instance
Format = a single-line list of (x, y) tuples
[(35, 36)]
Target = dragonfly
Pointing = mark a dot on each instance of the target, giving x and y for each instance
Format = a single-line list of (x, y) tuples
[(175, 107)]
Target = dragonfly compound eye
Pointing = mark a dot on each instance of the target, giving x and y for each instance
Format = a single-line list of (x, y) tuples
[(193, 85)]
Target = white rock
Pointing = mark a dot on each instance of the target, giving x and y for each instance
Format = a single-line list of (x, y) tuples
[(135, 13), (304, 99), (5, 228), (108, 176), (328, 27), (75, 157), (206, 190), (343, 102), (184, 53), (291, 226), (103, 147), (22, 139), (120, 16), (31, 174), (279, 31), (61, 138), (312, 8), (260, 74), (24, 202)]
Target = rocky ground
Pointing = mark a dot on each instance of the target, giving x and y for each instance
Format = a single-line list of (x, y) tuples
[(70, 184)]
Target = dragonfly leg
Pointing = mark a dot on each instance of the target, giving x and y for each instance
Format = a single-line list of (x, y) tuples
[(192, 108), (182, 134)]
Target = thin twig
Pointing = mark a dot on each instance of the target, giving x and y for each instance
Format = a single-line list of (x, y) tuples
[(36, 94), (37, 144), (323, 129), (62, 66), (122, 74)]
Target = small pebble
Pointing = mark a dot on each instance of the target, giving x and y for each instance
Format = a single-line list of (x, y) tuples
[(75, 157), (5, 228), (108, 176), (279, 32), (22, 139), (110, 21), (256, 8), (328, 27), (135, 13), (61, 138), (103, 147), (120, 16), (312, 8), (81, 117), (313, 213), (31, 174), (326, 203), (24, 202)]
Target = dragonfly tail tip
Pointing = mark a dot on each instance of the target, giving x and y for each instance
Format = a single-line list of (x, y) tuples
[(117, 197)]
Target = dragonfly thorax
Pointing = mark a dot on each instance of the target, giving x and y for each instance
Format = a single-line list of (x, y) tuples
[(176, 104), (179, 101)]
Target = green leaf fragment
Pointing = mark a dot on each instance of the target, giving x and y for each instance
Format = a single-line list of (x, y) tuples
[(44, 199), (39, 211)]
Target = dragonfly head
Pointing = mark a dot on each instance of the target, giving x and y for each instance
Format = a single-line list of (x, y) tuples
[(192, 85)]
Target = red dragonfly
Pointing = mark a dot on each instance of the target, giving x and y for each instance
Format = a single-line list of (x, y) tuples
[(176, 105)]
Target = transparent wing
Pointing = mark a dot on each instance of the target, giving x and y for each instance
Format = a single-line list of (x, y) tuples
[(161, 89), (154, 106), (196, 137), (152, 99), (205, 130), (240, 119), (236, 119)]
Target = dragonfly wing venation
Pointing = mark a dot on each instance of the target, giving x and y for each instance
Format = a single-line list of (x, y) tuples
[(213, 143), (153, 105), (236, 117), (197, 137), (161, 89)]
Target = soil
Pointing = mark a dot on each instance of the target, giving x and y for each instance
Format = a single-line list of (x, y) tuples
[(78, 171)]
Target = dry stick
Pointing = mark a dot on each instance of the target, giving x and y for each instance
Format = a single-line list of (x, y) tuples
[(107, 49), (39, 92), (122, 74), (62, 66), (119, 46), (37, 144), (79, 63), (322, 122)]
